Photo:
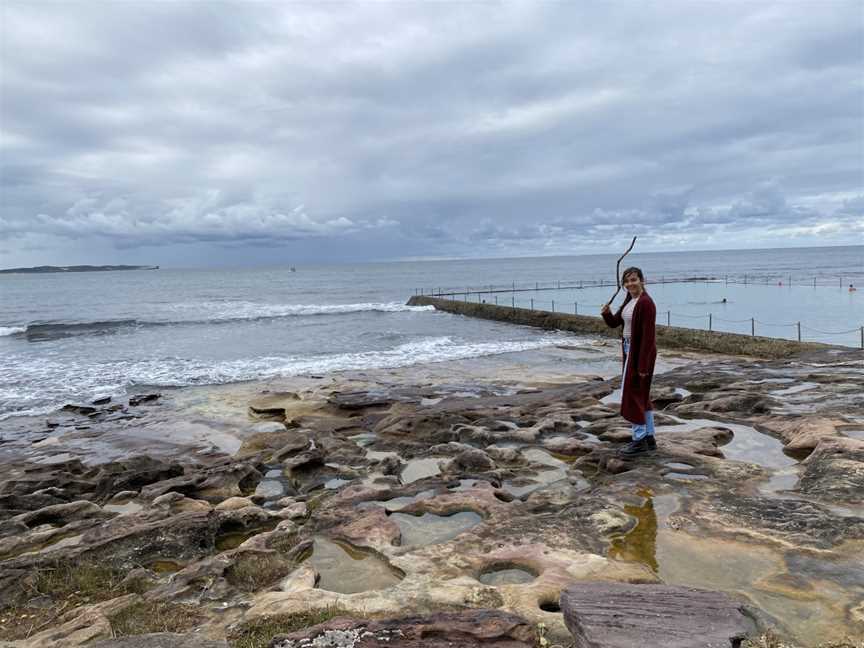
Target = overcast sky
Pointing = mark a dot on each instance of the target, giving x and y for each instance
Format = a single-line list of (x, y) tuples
[(190, 133)]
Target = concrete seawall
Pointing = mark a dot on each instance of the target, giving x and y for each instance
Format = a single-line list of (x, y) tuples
[(670, 337)]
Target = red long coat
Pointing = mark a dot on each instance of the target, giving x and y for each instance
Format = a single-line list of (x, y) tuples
[(636, 391)]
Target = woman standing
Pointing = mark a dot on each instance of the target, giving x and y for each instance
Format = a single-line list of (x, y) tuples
[(637, 315)]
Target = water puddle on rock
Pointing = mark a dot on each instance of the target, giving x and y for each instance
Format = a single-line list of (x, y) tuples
[(808, 594), (795, 389), (510, 576), (748, 444), (127, 508), (678, 476), (417, 469), (165, 566), (347, 569), (428, 528), (234, 539), (398, 503), (555, 471)]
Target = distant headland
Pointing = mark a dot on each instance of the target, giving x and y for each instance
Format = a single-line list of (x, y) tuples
[(75, 268)]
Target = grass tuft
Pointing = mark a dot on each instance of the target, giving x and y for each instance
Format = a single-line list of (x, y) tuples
[(155, 616), (260, 632)]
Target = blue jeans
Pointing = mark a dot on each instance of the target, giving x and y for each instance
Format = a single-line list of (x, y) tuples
[(646, 429)]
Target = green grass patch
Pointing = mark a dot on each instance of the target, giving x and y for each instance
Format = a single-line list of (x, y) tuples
[(155, 616), (59, 588), (260, 632), (253, 571)]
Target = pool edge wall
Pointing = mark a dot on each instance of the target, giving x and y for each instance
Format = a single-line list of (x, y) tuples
[(668, 337)]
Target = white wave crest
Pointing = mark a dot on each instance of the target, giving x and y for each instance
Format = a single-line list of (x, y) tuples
[(224, 311), (82, 381), (11, 330)]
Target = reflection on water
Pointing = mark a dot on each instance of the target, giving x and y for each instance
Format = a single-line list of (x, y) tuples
[(512, 576), (640, 543), (426, 529), (810, 594), (348, 570)]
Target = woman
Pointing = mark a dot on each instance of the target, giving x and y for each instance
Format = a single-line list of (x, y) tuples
[(637, 315)]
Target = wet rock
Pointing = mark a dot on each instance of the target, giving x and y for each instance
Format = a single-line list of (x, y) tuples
[(296, 443), (161, 640), (359, 400), (504, 455), (308, 459), (140, 399), (742, 403), (620, 615), (132, 475), (295, 511), (272, 437), (467, 629), (801, 433), (215, 483), (662, 397), (572, 447), (616, 466), (472, 461), (835, 471), (84, 410)]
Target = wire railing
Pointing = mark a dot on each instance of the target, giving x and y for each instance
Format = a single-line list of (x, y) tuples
[(798, 330), (820, 280)]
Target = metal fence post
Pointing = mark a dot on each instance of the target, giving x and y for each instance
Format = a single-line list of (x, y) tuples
[(799, 331), (496, 300), (532, 303), (862, 337), (668, 318), (709, 321), (513, 302), (575, 308), (753, 326), (553, 305)]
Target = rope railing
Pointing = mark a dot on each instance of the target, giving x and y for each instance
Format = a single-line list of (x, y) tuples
[(667, 315)]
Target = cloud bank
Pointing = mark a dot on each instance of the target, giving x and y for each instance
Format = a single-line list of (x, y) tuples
[(388, 130)]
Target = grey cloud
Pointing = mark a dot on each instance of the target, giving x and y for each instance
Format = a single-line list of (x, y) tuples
[(168, 124)]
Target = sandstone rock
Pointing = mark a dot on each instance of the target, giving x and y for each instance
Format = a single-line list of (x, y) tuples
[(504, 455), (835, 470), (308, 459), (569, 446), (802, 434), (466, 629), (621, 615), (233, 503), (295, 511), (472, 461), (161, 640), (741, 403)]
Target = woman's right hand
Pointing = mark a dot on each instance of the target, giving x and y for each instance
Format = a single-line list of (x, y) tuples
[(604, 309)]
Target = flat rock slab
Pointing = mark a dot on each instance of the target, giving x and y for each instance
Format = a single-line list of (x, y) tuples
[(468, 629), (161, 640), (622, 615)]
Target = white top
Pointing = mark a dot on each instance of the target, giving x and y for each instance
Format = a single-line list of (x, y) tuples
[(627, 316)]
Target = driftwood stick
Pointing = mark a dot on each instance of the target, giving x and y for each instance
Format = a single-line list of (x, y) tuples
[(618, 271)]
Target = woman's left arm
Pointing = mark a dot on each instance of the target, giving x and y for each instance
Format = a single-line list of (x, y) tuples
[(648, 318)]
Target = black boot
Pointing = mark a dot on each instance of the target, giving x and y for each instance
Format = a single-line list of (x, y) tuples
[(636, 448), (652, 442)]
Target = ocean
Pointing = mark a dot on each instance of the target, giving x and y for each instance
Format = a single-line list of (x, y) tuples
[(75, 337)]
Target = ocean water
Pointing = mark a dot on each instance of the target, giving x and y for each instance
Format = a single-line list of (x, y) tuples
[(74, 337)]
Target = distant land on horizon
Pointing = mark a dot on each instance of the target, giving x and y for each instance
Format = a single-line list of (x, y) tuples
[(75, 268)]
